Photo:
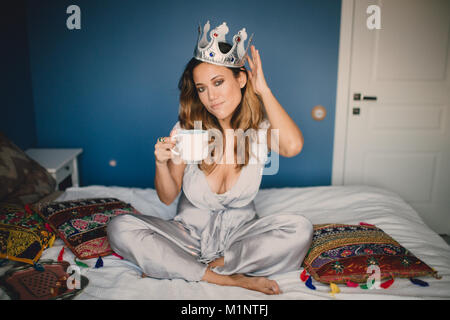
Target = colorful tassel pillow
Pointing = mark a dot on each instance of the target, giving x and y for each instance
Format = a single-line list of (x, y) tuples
[(342, 253), (82, 223), (23, 236)]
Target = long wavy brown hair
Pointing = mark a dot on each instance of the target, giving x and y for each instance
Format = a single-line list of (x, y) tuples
[(248, 114)]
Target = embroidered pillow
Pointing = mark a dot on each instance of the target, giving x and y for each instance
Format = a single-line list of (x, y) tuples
[(82, 223), (23, 236), (341, 253)]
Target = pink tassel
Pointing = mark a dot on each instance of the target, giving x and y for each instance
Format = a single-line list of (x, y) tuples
[(61, 254), (28, 209), (47, 226), (366, 224), (118, 256), (387, 284), (351, 284), (303, 276)]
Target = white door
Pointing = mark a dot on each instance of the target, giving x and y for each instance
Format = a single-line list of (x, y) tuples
[(398, 129)]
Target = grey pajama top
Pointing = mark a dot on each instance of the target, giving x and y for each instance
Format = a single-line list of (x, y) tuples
[(208, 226)]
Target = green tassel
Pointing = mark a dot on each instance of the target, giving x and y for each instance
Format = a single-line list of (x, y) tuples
[(81, 264), (365, 286)]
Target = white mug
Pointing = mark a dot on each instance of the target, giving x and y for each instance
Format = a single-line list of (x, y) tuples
[(192, 145)]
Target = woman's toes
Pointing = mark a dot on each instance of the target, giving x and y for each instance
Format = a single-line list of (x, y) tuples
[(274, 287), (269, 286)]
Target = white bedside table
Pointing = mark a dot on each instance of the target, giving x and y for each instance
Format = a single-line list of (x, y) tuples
[(60, 163)]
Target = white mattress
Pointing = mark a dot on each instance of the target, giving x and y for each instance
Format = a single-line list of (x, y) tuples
[(119, 279)]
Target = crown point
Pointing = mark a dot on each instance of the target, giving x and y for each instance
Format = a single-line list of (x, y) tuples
[(209, 51)]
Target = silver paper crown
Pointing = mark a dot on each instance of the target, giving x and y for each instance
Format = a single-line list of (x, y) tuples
[(208, 51)]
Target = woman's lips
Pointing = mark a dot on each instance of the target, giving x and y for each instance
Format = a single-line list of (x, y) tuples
[(215, 106)]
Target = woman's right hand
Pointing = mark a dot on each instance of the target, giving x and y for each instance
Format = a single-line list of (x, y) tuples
[(162, 149)]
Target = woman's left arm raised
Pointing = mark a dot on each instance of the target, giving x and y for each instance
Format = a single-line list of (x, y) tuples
[(290, 137)]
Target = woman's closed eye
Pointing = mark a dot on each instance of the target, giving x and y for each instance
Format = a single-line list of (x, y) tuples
[(216, 83)]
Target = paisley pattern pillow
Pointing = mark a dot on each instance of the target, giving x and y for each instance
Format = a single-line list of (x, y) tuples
[(82, 223), (341, 253), (23, 236)]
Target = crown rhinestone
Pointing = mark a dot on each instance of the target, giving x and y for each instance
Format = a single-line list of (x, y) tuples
[(208, 51)]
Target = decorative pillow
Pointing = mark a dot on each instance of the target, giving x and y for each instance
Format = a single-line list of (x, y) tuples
[(23, 236), (82, 223), (341, 253), (22, 180)]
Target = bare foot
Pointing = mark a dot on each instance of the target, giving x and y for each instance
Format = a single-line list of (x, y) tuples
[(260, 284), (219, 262)]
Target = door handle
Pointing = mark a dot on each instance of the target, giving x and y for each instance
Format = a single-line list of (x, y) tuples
[(357, 97)]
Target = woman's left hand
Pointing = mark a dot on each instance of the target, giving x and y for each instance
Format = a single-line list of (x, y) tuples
[(256, 74)]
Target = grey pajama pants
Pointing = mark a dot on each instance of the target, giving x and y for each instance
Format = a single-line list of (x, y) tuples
[(166, 249)]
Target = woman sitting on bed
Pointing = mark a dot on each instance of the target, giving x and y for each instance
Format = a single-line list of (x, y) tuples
[(216, 236)]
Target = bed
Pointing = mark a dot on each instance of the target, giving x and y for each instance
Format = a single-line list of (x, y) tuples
[(120, 279)]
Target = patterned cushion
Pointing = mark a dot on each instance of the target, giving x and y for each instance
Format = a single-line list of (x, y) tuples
[(341, 253), (22, 180), (23, 236), (82, 223)]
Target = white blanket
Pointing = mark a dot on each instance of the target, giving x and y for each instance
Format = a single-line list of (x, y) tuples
[(119, 279)]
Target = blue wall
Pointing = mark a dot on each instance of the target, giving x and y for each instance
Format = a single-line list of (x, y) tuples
[(17, 119), (111, 87)]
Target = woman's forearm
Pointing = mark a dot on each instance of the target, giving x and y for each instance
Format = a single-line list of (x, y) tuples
[(290, 136), (165, 184)]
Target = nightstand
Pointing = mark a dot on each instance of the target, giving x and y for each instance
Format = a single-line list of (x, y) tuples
[(62, 164)]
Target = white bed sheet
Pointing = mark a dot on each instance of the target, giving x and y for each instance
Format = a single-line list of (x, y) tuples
[(119, 279)]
